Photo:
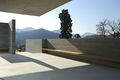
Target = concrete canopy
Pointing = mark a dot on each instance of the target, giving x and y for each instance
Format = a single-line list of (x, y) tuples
[(30, 7)]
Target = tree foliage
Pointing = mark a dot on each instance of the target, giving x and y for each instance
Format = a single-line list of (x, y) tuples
[(20, 48), (66, 31), (114, 28), (101, 28), (77, 36)]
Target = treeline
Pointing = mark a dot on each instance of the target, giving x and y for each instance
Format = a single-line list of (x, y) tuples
[(107, 28)]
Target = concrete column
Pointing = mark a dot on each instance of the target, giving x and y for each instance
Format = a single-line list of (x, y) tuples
[(12, 43)]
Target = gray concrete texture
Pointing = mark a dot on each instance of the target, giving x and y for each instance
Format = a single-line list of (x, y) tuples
[(7, 36), (30, 7), (106, 48), (4, 35), (28, 66), (34, 45), (12, 41), (97, 47)]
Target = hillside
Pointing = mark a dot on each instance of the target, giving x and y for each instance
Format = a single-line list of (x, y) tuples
[(88, 35), (57, 31), (35, 34), (30, 33), (25, 29)]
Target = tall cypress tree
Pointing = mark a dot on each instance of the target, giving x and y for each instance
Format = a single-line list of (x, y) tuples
[(66, 31)]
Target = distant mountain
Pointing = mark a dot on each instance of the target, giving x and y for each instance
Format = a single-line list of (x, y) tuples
[(88, 35), (30, 33), (56, 31), (85, 35), (35, 34), (25, 29)]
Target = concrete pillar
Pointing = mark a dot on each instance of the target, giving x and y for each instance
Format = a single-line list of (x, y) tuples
[(12, 43)]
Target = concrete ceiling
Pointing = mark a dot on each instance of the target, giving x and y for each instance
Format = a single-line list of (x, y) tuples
[(30, 7)]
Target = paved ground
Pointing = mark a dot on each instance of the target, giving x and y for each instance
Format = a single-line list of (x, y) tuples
[(38, 66)]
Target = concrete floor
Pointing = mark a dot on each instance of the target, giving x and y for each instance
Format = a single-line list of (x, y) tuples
[(38, 66)]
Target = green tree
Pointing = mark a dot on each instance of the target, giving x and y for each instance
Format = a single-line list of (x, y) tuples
[(77, 36), (66, 31)]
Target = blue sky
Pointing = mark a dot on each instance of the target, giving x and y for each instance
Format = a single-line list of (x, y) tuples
[(84, 13)]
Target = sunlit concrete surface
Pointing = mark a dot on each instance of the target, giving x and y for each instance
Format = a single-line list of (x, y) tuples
[(39, 66)]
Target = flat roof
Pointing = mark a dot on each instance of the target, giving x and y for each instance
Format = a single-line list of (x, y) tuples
[(30, 7)]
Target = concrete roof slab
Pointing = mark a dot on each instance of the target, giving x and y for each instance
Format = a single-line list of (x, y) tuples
[(30, 7)]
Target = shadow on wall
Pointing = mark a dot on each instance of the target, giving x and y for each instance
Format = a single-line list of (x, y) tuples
[(87, 72), (20, 58), (51, 46), (62, 44), (4, 51), (97, 47)]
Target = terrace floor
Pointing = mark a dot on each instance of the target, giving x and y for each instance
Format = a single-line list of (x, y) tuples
[(38, 66)]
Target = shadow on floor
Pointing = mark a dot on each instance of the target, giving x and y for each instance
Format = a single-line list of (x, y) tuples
[(88, 72), (20, 58)]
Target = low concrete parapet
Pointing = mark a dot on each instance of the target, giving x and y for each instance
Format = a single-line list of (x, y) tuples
[(102, 51)]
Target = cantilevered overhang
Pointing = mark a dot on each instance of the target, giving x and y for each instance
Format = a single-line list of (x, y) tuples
[(30, 7)]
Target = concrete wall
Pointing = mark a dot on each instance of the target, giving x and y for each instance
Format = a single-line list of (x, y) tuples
[(63, 44), (98, 47), (105, 48), (7, 37), (4, 35), (34, 45)]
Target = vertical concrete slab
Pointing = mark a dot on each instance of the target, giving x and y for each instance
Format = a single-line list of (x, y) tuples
[(4, 35), (12, 37), (34, 45)]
